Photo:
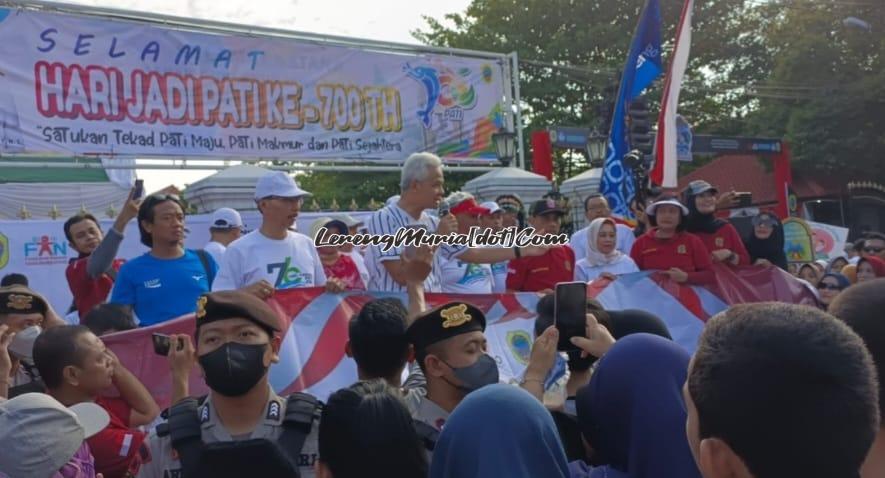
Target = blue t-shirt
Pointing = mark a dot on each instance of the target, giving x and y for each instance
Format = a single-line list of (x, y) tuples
[(162, 289)]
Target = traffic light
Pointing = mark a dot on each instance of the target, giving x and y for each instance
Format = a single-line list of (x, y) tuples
[(640, 127)]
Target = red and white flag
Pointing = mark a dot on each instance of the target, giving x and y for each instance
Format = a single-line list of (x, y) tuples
[(664, 172)]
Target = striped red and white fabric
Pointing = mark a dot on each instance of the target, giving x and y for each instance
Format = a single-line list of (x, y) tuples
[(665, 170), (312, 355)]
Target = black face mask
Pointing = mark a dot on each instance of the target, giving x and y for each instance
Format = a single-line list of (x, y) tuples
[(473, 377), (233, 369)]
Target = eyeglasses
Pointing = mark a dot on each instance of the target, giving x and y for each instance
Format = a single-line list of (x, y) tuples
[(873, 250), (825, 286)]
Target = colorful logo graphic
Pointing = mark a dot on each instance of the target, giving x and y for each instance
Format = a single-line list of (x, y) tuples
[(288, 276), (452, 91), (520, 344), (474, 273), (45, 251), (4, 251)]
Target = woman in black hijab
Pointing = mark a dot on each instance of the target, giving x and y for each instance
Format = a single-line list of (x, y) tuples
[(766, 243)]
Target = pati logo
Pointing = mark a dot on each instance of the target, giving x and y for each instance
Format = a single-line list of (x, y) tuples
[(450, 90), (4, 251), (681, 249), (520, 344), (455, 316)]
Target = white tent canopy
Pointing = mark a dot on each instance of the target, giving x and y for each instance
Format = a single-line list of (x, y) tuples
[(529, 186), (576, 189), (233, 187)]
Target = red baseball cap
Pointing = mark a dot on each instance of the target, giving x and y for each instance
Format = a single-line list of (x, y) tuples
[(469, 206)]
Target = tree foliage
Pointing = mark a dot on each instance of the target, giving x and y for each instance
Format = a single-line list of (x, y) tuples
[(778, 68)]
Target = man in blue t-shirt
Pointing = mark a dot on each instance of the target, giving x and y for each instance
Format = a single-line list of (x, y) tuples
[(164, 283)]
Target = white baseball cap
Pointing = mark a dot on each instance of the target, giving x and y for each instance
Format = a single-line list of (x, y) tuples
[(652, 208), (492, 206), (226, 218), (40, 435), (349, 220), (278, 183)]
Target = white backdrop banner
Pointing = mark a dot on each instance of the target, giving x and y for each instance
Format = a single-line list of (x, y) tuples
[(39, 250), (78, 84)]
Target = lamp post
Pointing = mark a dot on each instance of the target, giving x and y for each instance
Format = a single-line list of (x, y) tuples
[(596, 144), (505, 146)]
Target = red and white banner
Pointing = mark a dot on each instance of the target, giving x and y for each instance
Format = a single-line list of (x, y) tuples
[(665, 170), (312, 355)]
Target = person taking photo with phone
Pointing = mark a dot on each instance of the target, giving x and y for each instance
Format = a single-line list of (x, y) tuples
[(91, 276), (718, 235)]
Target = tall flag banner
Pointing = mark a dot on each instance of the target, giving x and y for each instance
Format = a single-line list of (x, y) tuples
[(312, 357), (642, 67), (665, 170)]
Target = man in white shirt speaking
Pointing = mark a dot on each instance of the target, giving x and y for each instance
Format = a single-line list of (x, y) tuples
[(273, 257)]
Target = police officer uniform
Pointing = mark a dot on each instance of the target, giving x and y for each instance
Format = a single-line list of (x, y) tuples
[(19, 299), (162, 460), (436, 325)]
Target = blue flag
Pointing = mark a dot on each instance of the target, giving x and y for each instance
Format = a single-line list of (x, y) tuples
[(642, 67)]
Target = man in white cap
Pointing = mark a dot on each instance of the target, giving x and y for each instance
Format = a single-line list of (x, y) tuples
[(225, 226), (41, 437), (274, 257)]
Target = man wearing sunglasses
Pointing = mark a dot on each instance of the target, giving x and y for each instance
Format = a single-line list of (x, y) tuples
[(874, 245), (163, 283), (274, 257)]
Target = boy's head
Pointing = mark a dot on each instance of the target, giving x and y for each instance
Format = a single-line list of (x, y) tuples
[(14, 278), (779, 390), (860, 306), (377, 339), (108, 318), (72, 357), (83, 232), (20, 308)]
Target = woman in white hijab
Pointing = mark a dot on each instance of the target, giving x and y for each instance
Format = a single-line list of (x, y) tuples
[(603, 258)]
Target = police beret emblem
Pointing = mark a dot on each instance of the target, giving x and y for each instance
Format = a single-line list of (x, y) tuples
[(455, 316), (201, 306), (20, 302)]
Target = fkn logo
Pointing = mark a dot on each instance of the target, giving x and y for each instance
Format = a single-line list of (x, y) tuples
[(45, 250), (451, 91)]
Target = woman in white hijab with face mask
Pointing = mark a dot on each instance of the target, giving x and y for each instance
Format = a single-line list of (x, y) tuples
[(603, 258)]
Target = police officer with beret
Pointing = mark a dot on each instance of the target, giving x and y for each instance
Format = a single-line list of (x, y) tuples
[(451, 350), (24, 313), (242, 428)]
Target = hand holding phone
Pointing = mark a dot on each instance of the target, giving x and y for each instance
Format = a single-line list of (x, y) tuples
[(570, 312), (161, 344), (138, 191)]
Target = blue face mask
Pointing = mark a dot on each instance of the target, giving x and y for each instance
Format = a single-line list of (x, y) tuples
[(473, 377)]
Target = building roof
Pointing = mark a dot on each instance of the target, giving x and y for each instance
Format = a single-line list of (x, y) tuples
[(747, 173)]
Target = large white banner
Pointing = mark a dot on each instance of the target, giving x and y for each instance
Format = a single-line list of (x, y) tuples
[(78, 84), (38, 248)]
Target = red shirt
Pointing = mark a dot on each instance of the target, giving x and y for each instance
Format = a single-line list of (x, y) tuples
[(88, 292), (683, 251), (345, 269), (116, 448), (532, 274), (726, 237)]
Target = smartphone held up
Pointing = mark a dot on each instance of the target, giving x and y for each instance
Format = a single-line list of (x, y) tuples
[(570, 312)]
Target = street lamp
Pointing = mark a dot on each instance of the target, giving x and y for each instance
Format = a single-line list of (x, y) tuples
[(596, 144), (505, 146)]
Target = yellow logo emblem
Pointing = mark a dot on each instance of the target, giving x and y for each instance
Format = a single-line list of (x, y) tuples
[(681, 249), (20, 302), (455, 316), (201, 306), (720, 242)]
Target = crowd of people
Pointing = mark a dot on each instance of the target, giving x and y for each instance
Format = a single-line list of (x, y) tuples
[(773, 390)]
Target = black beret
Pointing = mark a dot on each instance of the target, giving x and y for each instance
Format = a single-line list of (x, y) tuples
[(233, 304), (445, 321), (19, 299)]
